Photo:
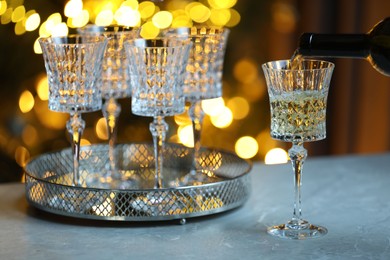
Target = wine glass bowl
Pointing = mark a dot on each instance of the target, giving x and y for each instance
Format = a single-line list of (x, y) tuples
[(73, 65), (298, 93), (158, 69)]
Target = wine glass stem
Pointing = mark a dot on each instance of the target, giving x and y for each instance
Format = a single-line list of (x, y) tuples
[(158, 128), (111, 111), (75, 127), (196, 113), (297, 155)]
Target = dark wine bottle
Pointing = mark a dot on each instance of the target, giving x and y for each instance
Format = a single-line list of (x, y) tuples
[(373, 46)]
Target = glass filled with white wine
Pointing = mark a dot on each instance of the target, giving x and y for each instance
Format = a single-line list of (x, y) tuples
[(298, 91)]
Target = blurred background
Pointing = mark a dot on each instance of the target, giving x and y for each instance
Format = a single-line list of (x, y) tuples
[(358, 119)]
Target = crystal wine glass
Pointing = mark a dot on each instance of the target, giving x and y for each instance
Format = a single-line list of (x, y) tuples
[(115, 85), (73, 64), (158, 68), (203, 81), (298, 96)]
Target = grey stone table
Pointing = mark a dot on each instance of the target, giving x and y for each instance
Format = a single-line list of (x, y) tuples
[(350, 195)]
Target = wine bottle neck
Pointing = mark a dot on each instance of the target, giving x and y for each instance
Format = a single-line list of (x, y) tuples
[(334, 45)]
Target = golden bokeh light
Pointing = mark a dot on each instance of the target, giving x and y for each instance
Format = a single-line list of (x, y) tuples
[(220, 17), (26, 101), (6, 16), (284, 17), (37, 47), (213, 107), (266, 142), (146, 9), (18, 14), (185, 135), (255, 90), (19, 28), (149, 30), (199, 13), (60, 29), (101, 129), (32, 22), (246, 147), (246, 70), (223, 119), (30, 135), (51, 22), (162, 19), (222, 4), (235, 18), (133, 4), (47, 118), (79, 21), (276, 156), (84, 142), (104, 18), (127, 16), (73, 8), (182, 119), (42, 87), (3, 7), (181, 19), (22, 155), (239, 107)]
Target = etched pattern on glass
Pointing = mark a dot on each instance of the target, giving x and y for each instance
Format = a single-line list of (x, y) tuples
[(158, 82), (73, 73), (299, 116), (116, 71), (205, 65)]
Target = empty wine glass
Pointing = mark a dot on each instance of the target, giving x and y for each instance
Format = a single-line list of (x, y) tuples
[(115, 85), (203, 81), (158, 68), (73, 64), (298, 95)]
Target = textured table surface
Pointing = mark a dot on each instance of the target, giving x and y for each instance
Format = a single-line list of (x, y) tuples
[(350, 195)]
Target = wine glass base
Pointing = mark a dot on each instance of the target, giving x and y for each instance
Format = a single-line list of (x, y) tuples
[(295, 231)]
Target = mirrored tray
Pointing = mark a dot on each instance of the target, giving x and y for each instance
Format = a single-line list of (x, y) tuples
[(49, 184)]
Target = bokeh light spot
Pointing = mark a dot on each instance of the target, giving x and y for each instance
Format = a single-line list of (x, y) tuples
[(30, 135), (18, 14), (3, 7), (245, 70), (223, 119), (276, 156), (149, 31), (220, 17), (101, 129), (185, 134), (73, 8), (239, 107), (146, 9), (32, 22), (235, 18), (246, 147), (22, 155), (284, 17), (200, 13), (26, 101), (213, 107), (104, 18), (42, 88), (162, 19)]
